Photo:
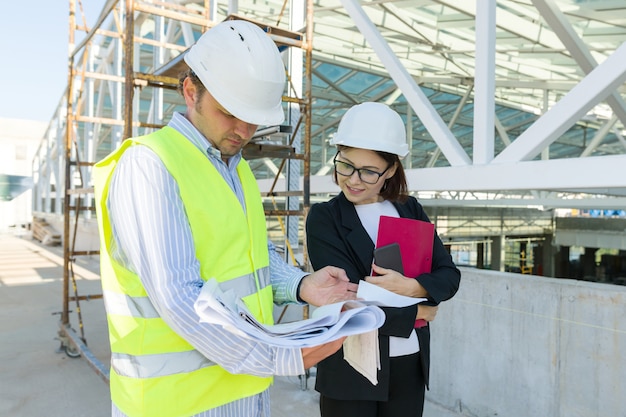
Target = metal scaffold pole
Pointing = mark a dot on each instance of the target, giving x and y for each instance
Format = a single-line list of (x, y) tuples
[(122, 81), (74, 343)]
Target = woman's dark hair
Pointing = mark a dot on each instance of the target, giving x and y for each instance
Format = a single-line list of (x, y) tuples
[(194, 79), (395, 188)]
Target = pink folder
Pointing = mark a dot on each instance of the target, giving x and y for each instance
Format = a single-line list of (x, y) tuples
[(415, 238)]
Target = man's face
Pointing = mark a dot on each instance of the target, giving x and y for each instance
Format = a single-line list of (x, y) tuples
[(222, 129)]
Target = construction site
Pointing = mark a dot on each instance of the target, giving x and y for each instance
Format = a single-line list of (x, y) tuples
[(516, 123)]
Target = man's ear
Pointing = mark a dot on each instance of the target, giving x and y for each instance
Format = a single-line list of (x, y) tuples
[(189, 92)]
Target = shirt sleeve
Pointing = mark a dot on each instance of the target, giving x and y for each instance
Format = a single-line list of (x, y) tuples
[(153, 239), (285, 278)]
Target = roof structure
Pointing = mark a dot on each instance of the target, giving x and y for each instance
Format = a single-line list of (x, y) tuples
[(514, 103), (537, 51)]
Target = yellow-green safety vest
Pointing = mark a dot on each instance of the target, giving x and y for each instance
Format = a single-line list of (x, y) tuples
[(155, 372)]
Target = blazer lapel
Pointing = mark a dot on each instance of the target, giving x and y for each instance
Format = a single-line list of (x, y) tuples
[(356, 236), (404, 210)]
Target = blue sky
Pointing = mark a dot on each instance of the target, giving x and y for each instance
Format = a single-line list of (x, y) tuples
[(34, 48)]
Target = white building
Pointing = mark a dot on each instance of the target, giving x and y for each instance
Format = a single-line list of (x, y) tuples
[(19, 140)]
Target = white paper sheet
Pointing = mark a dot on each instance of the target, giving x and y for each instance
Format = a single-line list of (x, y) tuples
[(327, 323), (374, 295), (362, 351)]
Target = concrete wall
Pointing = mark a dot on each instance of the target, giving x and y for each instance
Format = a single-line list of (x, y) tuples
[(516, 345)]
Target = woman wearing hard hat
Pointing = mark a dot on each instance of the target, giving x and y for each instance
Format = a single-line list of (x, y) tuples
[(371, 140)]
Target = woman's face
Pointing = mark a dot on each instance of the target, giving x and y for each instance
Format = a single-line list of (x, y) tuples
[(370, 164)]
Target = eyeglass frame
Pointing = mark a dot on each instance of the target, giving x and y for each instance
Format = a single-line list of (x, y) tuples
[(358, 171)]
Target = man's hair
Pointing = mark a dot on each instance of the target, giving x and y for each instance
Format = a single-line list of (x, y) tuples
[(194, 79), (395, 188)]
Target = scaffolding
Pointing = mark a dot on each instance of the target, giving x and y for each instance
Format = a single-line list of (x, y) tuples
[(122, 81)]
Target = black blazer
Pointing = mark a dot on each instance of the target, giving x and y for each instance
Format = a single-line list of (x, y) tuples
[(335, 236)]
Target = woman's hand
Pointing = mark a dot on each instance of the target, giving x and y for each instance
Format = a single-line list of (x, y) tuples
[(396, 282), (425, 312)]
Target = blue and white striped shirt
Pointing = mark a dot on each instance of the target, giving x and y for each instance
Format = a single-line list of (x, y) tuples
[(154, 240)]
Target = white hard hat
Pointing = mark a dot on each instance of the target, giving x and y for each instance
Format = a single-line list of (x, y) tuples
[(373, 126), (240, 66)]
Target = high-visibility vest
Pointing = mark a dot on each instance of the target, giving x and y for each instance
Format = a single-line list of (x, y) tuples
[(155, 372)]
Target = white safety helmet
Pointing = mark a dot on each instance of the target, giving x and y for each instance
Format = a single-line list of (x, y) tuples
[(240, 66), (373, 126)]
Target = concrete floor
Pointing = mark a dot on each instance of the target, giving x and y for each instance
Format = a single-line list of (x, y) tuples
[(36, 379)]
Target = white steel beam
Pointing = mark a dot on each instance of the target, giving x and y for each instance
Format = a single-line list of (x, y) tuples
[(484, 82), (599, 137), (158, 60), (595, 87), (564, 30), (294, 168), (455, 116), (502, 132), (557, 174), (516, 25), (449, 145), (564, 174), (620, 138), (546, 203)]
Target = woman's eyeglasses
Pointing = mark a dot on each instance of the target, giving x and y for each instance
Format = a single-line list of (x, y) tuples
[(366, 175)]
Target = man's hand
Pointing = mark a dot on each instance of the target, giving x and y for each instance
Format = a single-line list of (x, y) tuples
[(326, 286), (311, 356), (396, 282)]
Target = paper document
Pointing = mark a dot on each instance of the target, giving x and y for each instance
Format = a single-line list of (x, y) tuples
[(327, 323), (373, 294), (362, 351)]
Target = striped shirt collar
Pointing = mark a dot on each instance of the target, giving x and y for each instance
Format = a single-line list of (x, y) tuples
[(181, 124)]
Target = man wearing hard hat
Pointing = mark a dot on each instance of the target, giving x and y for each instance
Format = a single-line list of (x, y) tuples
[(180, 206)]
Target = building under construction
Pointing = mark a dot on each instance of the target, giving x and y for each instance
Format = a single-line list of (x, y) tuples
[(516, 119)]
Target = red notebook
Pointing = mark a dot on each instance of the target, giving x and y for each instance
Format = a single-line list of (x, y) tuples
[(415, 238)]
